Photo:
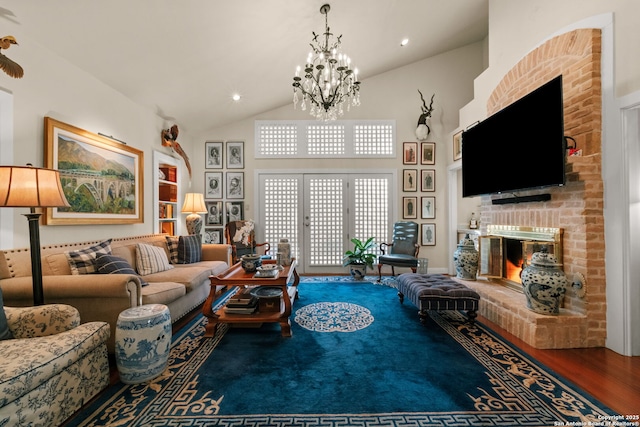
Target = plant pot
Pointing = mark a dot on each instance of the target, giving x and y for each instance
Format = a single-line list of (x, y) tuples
[(358, 271)]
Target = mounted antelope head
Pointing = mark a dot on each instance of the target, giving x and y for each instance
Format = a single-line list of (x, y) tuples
[(423, 130)]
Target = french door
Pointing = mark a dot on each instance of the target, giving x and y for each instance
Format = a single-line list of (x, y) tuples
[(320, 212)]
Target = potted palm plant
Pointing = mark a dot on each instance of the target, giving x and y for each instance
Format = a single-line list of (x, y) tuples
[(359, 258)]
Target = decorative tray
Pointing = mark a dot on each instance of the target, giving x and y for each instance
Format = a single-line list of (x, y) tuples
[(266, 291)]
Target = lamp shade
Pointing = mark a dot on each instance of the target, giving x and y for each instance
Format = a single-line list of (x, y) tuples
[(28, 187), (194, 203)]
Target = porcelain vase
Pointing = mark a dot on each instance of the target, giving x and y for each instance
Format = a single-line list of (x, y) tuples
[(465, 259), (250, 263), (544, 283)]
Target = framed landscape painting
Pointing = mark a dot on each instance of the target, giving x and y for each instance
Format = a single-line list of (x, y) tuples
[(102, 179)]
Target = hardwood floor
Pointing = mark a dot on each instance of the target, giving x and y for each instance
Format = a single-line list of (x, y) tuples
[(609, 377)]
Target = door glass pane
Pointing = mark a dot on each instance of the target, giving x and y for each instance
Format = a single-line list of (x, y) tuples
[(280, 207), (371, 210), (326, 216)]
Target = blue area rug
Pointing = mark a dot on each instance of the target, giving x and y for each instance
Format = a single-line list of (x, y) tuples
[(356, 357)]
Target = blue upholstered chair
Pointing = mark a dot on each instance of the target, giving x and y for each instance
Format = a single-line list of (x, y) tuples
[(403, 251)]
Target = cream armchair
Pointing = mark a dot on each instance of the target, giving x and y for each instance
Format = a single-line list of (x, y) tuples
[(52, 366)]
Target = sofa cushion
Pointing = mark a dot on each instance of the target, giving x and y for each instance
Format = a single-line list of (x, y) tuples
[(189, 249), (83, 261), (162, 293), (110, 264), (5, 333), (151, 259)]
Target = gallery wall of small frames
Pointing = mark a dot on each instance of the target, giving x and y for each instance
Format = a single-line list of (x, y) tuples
[(224, 184), (422, 181)]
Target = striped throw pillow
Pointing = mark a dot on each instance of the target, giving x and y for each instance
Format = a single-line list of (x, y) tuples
[(110, 264), (189, 249), (151, 259), (83, 261)]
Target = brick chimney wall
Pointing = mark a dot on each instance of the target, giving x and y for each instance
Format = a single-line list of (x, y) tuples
[(577, 207)]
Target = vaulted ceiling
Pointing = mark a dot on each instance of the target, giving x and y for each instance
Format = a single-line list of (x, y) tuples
[(184, 59)]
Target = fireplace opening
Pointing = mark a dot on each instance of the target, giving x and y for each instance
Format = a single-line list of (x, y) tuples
[(506, 250)]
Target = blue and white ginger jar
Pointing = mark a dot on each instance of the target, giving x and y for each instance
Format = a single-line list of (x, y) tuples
[(544, 283), (465, 259)]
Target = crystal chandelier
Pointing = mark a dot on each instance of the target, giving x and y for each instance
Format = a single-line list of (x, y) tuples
[(328, 82)]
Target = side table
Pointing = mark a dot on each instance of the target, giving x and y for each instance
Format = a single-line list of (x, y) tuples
[(143, 341)]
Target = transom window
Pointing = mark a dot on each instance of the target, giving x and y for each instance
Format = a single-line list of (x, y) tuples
[(340, 138)]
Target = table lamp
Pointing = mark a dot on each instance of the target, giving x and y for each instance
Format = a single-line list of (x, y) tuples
[(194, 205), (31, 187)]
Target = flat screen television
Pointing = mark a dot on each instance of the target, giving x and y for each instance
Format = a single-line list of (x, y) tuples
[(520, 147)]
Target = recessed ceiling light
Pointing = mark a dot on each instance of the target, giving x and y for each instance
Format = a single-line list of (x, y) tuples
[(404, 42), (235, 97)]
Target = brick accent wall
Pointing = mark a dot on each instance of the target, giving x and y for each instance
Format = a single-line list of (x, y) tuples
[(577, 207)]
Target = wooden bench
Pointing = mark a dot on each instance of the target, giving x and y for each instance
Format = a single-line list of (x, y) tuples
[(437, 292)]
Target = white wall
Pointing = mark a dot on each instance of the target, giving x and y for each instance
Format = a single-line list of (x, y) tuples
[(392, 95), (53, 87)]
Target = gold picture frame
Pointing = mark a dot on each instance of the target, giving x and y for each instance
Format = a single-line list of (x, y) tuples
[(102, 179), (457, 146)]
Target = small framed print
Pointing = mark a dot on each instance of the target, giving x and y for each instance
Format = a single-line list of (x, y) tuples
[(428, 153), (213, 185), (410, 153), (213, 235), (235, 185), (428, 210), (410, 180), (235, 211), (428, 234), (235, 155), (214, 213), (213, 155), (457, 146), (409, 207), (428, 180)]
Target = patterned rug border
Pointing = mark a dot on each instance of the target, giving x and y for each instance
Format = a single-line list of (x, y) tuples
[(167, 400)]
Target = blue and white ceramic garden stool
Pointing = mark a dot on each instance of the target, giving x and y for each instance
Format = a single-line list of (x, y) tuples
[(143, 341)]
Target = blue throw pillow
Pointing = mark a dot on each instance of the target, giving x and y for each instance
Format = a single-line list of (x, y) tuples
[(109, 264), (5, 333), (189, 249)]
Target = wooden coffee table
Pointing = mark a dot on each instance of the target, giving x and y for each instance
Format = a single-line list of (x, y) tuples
[(287, 280)]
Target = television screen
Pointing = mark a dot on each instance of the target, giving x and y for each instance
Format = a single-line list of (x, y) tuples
[(520, 147)]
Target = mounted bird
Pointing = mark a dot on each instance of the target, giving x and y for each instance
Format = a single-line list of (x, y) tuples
[(170, 139), (423, 130), (8, 66)]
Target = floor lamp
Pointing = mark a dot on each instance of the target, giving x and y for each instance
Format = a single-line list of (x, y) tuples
[(194, 205), (30, 187)]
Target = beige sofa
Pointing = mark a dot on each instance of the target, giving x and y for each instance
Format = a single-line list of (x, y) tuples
[(102, 297)]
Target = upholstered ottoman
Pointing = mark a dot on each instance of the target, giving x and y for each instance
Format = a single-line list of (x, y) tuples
[(437, 292)]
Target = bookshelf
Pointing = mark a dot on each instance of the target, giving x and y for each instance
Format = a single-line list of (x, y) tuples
[(166, 194)]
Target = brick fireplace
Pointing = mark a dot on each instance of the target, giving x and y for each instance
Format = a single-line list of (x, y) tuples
[(576, 208)]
